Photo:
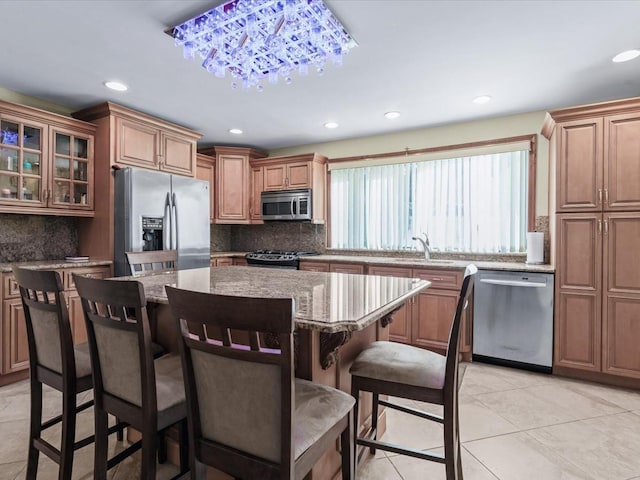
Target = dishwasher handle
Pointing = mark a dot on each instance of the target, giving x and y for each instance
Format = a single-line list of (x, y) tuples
[(513, 283)]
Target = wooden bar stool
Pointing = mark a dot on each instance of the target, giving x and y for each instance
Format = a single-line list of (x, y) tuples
[(53, 361), (248, 416), (148, 394), (152, 261), (388, 368)]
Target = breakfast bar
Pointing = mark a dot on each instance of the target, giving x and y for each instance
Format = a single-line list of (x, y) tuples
[(336, 316)]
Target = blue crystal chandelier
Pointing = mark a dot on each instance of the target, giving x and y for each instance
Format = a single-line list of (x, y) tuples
[(258, 39)]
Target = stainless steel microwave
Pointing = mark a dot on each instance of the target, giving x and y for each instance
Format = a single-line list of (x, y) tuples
[(286, 205)]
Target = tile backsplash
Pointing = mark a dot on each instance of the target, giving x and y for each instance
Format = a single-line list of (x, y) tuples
[(37, 237), (298, 236)]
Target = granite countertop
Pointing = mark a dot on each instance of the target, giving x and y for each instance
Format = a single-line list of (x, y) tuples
[(327, 302), (413, 262), (228, 254), (53, 264)]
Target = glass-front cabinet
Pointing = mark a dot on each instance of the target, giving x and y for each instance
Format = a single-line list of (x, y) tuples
[(45, 166), (22, 150)]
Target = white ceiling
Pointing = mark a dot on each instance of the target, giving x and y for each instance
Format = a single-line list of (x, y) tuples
[(426, 59)]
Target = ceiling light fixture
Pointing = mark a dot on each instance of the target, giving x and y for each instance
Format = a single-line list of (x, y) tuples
[(331, 125), (117, 86), (235, 131), (482, 99), (626, 56), (392, 115), (254, 39)]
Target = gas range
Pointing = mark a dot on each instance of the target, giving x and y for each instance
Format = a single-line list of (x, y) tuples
[(276, 258)]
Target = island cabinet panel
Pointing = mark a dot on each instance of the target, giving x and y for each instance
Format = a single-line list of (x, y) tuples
[(206, 170), (14, 345), (400, 327), (46, 163)]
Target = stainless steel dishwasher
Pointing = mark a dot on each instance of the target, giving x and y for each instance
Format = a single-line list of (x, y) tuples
[(513, 318)]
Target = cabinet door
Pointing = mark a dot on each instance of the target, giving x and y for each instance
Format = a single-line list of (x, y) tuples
[(579, 170), (14, 337), (222, 262), (298, 175), (178, 154), (274, 177), (71, 174), (400, 327), (23, 162), (242, 262), (621, 301), (232, 185), (314, 266), (431, 318), (257, 185), (622, 162), (76, 318), (206, 170), (92, 272), (347, 268), (578, 299), (137, 144)]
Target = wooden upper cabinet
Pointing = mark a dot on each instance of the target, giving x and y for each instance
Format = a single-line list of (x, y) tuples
[(622, 162), (274, 177), (206, 170), (256, 183), (46, 163), (141, 140), (287, 176), (579, 166), (233, 183)]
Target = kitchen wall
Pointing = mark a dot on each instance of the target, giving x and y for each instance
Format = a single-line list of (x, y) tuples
[(37, 237), (297, 236)]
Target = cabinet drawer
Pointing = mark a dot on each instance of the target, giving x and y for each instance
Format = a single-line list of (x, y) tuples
[(390, 271), (447, 279), (9, 286), (93, 272)]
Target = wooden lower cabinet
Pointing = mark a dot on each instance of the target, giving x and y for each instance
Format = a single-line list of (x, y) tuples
[(431, 317), (76, 318), (357, 268), (314, 266), (15, 348), (578, 330), (400, 327), (221, 262)]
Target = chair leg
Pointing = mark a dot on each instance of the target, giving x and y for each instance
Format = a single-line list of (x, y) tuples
[(162, 448), (35, 428), (101, 420), (184, 446), (119, 432), (68, 435), (348, 450), (452, 460), (374, 420), (355, 393), (150, 440)]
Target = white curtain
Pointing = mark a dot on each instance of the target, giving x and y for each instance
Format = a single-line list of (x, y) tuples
[(468, 204)]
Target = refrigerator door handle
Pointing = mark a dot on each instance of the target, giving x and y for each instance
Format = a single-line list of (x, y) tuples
[(174, 224), (166, 227)]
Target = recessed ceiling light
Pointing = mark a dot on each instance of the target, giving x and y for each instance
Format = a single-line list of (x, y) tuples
[(626, 56), (235, 131), (482, 99), (331, 125), (117, 86), (392, 115)]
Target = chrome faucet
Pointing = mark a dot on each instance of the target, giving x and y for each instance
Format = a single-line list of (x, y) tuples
[(425, 245)]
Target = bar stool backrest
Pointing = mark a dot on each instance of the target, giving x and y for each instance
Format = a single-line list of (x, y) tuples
[(155, 260)]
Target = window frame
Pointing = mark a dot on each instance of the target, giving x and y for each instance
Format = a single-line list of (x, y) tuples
[(444, 149)]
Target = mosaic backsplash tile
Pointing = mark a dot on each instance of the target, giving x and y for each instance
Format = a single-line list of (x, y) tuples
[(34, 237), (298, 236)]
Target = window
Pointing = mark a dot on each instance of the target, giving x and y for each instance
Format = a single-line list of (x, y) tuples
[(467, 204)]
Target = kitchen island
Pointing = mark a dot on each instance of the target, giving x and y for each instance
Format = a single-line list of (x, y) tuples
[(336, 316)]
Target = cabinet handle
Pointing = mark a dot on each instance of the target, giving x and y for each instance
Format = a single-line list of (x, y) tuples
[(599, 227), (606, 196), (599, 196), (436, 279), (606, 227)]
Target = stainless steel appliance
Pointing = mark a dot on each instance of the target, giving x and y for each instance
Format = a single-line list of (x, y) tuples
[(275, 258), (158, 211), (286, 205), (513, 318)]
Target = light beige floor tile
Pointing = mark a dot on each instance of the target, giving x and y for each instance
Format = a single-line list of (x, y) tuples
[(415, 469), (545, 405), (411, 431), (15, 437), (11, 471), (519, 456), (480, 380), (607, 446), (377, 469), (477, 421), (623, 398), (515, 378)]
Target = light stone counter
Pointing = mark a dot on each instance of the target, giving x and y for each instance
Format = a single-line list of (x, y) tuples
[(325, 302), (413, 262), (53, 264)]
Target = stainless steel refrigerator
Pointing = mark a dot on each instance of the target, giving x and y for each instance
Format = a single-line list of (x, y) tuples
[(159, 211)]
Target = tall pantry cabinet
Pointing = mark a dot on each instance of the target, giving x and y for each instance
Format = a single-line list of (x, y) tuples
[(596, 151)]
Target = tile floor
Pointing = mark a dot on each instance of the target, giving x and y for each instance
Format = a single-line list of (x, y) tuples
[(514, 425)]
